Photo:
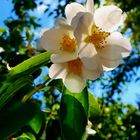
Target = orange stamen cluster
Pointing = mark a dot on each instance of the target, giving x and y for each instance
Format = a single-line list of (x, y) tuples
[(97, 38), (68, 44), (75, 66)]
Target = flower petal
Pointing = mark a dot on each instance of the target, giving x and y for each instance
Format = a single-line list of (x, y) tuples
[(107, 68), (89, 57), (110, 64), (72, 9), (90, 6), (63, 57), (122, 45), (43, 31), (117, 46), (39, 46), (57, 71), (51, 39), (76, 19), (108, 17), (81, 24), (62, 23), (90, 131), (110, 56), (92, 74), (74, 83)]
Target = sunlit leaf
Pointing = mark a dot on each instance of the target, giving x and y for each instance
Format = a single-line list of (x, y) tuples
[(2, 30), (26, 136), (94, 108), (30, 65)]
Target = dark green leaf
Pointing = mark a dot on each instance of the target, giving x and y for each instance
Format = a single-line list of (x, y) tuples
[(16, 117), (10, 89), (37, 123), (73, 114)]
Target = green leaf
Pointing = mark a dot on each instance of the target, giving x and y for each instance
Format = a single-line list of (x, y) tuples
[(94, 108), (16, 117), (26, 136), (2, 30), (13, 88), (37, 123), (30, 65), (73, 114), (18, 77)]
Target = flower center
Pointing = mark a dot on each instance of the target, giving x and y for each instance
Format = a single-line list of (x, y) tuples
[(68, 44), (75, 66), (97, 38)]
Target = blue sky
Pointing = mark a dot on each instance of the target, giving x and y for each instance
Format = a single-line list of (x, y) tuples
[(4, 13), (130, 90)]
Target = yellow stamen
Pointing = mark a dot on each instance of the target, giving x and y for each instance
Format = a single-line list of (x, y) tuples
[(68, 44), (75, 66), (97, 38)]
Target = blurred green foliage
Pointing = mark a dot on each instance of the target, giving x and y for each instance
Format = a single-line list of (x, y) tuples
[(25, 120)]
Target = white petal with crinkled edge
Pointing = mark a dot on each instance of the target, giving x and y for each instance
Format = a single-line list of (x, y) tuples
[(63, 57), (91, 74), (76, 19), (62, 23), (74, 83), (51, 39), (58, 71), (90, 6), (81, 24), (89, 57), (72, 9), (122, 44), (108, 17), (110, 64)]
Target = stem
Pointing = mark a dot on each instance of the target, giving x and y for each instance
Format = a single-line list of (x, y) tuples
[(36, 89)]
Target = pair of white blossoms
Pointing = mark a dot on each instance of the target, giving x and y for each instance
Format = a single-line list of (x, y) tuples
[(84, 44)]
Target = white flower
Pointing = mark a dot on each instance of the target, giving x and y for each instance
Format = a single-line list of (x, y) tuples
[(101, 44), (67, 65), (74, 74), (61, 42), (1, 50), (89, 129), (84, 44)]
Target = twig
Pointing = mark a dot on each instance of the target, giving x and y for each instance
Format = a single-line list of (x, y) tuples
[(36, 89)]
